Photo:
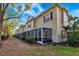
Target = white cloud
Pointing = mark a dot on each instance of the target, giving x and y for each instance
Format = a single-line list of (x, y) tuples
[(32, 12), (39, 7), (34, 4), (75, 12)]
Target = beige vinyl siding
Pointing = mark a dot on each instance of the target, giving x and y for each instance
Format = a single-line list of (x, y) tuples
[(59, 15), (31, 23), (59, 24), (49, 24), (65, 16)]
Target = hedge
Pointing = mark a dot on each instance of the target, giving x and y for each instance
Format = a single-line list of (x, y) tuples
[(29, 39), (73, 37)]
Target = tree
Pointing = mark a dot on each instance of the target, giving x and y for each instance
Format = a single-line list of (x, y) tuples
[(75, 21), (11, 11), (73, 36), (9, 26), (70, 19)]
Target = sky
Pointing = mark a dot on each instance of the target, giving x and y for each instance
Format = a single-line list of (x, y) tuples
[(38, 8)]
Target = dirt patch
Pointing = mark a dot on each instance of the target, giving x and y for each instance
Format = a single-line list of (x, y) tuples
[(13, 47)]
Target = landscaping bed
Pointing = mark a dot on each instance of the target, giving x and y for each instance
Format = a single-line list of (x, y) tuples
[(73, 38)]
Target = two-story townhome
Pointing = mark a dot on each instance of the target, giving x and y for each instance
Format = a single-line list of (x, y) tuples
[(48, 26)]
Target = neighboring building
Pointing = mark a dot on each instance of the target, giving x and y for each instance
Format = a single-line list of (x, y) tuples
[(48, 26), (20, 30)]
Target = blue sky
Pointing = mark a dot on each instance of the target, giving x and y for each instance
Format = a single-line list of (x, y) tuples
[(38, 8)]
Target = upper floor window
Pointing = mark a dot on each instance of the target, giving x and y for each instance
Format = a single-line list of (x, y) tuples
[(48, 17), (51, 15), (29, 25), (44, 19)]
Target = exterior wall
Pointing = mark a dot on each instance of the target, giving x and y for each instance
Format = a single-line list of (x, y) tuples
[(65, 18), (49, 24), (17, 31), (24, 28), (20, 30), (66, 22), (31, 23), (58, 21), (59, 24), (62, 20)]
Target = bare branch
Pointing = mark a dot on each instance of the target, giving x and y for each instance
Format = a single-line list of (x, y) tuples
[(12, 17), (3, 12), (0, 9), (15, 16), (22, 12)]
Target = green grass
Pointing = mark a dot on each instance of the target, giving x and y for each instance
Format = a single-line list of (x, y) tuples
[(53, 51)]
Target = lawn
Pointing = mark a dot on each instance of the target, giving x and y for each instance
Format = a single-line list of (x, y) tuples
[(53, 51)]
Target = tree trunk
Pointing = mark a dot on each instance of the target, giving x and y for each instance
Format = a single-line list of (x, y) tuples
[(1, 26), (2, 12)]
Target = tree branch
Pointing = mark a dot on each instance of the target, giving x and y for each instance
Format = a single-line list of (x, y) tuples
[(12, 17), (15, 16), (0, 9), (3, 6), (22, 12), (3, 12)]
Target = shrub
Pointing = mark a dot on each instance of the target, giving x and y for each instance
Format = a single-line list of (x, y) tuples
[(3, 37), (29, 39), (73, 37), (23, 38), (16, 35)]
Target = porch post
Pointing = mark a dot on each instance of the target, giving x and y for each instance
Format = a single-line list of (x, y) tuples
[(34, 34), (42, 35)]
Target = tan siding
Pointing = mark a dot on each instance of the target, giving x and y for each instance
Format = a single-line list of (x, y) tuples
[(49, 24), (65, 18), (56, 24), (59, 24), (32, 25)]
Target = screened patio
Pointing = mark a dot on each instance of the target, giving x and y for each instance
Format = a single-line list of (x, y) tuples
[(41, 35)]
